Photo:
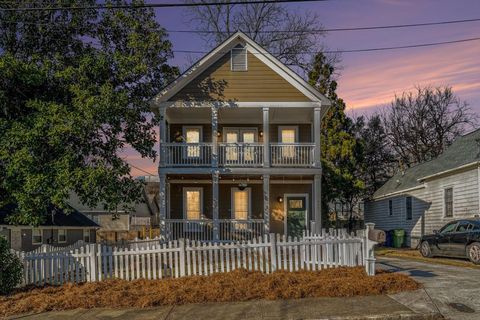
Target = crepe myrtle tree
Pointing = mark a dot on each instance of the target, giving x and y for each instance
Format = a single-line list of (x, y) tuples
[(74, 92)]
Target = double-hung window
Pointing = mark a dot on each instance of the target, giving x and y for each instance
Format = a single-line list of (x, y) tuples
[(86, 235), (241, 203), (37, 237), (193, 203), (448, 202), (408, 208), (62, 235)]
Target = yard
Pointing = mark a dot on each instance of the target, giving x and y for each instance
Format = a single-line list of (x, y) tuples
[(238, 285)]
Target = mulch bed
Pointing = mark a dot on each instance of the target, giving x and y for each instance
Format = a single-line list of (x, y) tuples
[(238, 285)]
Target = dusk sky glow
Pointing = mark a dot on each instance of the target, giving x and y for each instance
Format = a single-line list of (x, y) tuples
[(370, 80)]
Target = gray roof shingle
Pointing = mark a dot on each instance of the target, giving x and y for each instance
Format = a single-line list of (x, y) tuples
[(464, 150)]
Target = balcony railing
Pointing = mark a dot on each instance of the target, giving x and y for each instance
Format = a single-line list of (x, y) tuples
[(240, 154), (236, 230), (187, 154), (202, 230), (292, 154)]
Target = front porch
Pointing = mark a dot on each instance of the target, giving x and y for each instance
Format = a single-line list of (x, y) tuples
[(235, 207)]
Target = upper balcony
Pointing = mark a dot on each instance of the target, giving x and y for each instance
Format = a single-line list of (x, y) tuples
[(240, 137), (238, 154)]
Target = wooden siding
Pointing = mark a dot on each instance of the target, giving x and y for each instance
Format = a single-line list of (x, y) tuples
[(428, 212), (50, 236), (259, 83)]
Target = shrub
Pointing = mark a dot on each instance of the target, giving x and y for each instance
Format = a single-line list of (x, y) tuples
[(10, 268)]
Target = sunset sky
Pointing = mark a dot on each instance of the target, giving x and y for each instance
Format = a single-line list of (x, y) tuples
[(370, 80)]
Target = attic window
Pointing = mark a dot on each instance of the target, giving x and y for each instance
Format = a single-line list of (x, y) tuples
[(238, 59)]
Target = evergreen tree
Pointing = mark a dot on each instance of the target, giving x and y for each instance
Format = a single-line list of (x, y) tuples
[(341, 150)]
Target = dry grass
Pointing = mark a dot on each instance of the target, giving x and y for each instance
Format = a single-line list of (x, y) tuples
[(413, 254), (239, 285)]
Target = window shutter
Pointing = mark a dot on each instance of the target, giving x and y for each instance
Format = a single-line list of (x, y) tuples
[(239, 59)]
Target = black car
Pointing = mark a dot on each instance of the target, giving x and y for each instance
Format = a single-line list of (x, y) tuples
[(460, 238)]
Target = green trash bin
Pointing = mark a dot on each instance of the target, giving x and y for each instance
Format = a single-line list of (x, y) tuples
[(398, 238)]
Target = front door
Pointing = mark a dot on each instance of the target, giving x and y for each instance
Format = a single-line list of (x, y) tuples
[(296, 214)]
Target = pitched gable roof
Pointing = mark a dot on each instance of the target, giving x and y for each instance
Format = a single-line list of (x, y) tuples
[(464, 151), (253, 48)]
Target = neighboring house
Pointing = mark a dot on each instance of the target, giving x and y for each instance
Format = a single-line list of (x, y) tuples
[(59, 229), (239, 147), (425, 197), (123, 225)]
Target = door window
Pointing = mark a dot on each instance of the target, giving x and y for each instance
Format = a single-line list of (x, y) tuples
[(240, 137), (288, 135), (449, 228), (296, 215), (463, 226), (193, 135)]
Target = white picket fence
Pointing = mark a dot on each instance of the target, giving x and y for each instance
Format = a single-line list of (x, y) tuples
[(180, 258)]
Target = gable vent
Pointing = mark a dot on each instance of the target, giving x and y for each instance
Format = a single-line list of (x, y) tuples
[(238, 59)]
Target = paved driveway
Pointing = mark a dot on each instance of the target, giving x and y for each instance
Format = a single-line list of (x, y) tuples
[(446, 285)]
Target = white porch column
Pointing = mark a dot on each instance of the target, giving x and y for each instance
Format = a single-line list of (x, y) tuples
[(216, 224), (317, 198), (162, 206), (266, 203), (266, 137), (162, 136), (214, 137), (316, 135)]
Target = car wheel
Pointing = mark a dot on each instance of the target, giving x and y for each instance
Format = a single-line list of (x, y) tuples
[(425, 249), (473, 252)]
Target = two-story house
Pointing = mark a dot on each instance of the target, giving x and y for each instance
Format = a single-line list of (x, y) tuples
[(239, 147)]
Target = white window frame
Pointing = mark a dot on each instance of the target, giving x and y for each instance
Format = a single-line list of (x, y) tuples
[(86, 232), (33, 236), (390, 207), (232, 202), (281, 128), (185, 189), (240, 131), (444, 208), (246, 58), (58, 236), (406, 213)]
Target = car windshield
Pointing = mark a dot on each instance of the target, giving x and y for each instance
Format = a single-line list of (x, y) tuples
[(449, 227)]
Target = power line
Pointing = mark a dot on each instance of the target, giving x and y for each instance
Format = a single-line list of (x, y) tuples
[(365, 49), (393, 26), (158, 5)]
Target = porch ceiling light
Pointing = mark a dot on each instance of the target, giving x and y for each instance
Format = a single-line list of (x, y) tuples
[(242, 186)]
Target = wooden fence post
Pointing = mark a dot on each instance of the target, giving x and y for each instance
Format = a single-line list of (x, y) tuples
[(273, 251), (181, 246), (92, 266), (369, 253)]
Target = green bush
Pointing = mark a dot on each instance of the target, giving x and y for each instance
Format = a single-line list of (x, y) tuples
[(10, 268)]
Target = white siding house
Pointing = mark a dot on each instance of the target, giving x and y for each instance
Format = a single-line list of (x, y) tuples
[(440, 190)]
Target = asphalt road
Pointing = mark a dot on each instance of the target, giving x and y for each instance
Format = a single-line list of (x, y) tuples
[(455, 291)]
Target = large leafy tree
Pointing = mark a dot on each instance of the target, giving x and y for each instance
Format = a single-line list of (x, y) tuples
[(75, 91), (342, 151)]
